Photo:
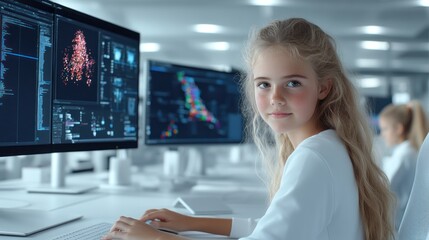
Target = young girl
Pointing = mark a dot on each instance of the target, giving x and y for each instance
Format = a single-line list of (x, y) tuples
[(403, 127), (325, 183)]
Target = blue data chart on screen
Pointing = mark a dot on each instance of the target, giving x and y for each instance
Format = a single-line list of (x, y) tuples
[(192, 105), (25, 75), (96, 88)]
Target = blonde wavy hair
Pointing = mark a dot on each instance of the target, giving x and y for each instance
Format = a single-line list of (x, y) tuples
[(339, 110), (412, 118)]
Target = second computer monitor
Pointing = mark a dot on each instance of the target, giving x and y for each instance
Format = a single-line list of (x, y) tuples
[(188, 105)]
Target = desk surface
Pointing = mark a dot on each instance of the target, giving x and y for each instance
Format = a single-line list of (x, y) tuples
[(246, 198)]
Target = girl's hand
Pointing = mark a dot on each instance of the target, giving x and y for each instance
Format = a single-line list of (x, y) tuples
[(132, 229), (164, 218)]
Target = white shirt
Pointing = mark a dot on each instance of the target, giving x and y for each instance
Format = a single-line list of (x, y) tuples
[(400, 168), (317, 198)]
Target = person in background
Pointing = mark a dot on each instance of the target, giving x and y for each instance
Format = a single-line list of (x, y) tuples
[(404, 128), (304, 117)]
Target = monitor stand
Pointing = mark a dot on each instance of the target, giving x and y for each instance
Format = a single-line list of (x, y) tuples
[(180, 168), (119, 177), (13, 167), (184, 162), (58, 179)]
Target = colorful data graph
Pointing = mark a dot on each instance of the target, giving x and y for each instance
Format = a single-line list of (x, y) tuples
[(195, 105), (79, 64), (172, 129)]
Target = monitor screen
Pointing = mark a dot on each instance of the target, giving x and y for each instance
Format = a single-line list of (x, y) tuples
[(25, 77), (188, 105), (68, 81), (95, 90)]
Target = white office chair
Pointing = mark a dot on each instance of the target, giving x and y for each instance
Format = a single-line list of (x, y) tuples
[(415, 222)]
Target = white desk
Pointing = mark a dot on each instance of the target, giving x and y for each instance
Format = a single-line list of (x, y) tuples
[(245, 197)]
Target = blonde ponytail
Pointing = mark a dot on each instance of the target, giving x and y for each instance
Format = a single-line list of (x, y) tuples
[(419, 125)]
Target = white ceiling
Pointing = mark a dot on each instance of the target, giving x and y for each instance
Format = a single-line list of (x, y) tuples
[(169, 23)]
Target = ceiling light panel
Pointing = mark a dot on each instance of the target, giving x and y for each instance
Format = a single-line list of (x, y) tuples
[(375, 45), (207, 28), (150, 47), (217, 46), (265, 2), (373, 30)]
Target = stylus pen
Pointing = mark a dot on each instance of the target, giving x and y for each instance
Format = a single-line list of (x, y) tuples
[(168, 231), (162, 229)]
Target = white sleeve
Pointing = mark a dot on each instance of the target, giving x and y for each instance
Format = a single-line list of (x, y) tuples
[(242, 227), (303, 205)]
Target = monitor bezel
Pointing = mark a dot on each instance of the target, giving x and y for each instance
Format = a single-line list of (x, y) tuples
[(180, 143)]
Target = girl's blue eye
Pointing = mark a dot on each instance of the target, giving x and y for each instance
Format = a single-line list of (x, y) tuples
[(293, 84), (262, 85)]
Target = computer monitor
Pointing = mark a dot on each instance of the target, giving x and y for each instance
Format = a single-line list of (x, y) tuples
[(187, 109), (68, 82), (94, 93), (25, 77), (189, 105), (95, 88)]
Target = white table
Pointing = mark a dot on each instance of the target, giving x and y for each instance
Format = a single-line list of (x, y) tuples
[(243, 194)]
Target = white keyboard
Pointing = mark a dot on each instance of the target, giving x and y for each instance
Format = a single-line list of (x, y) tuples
[(93, 232)]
